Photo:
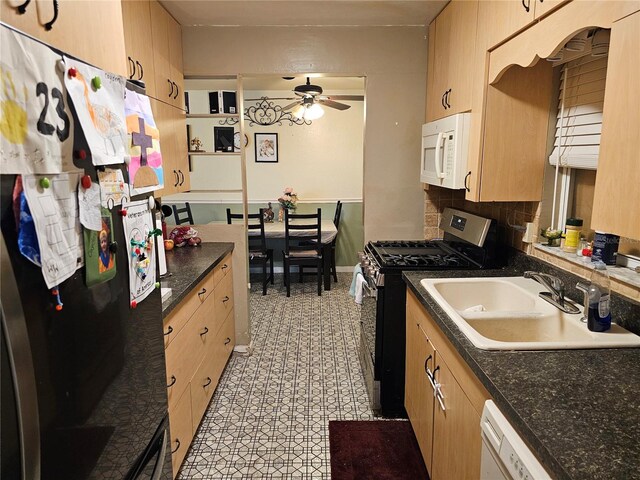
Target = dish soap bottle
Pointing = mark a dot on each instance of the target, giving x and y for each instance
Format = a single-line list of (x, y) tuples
[(599, 318)]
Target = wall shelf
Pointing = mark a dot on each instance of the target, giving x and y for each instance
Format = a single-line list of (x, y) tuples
[(219, 154), (212, 115)]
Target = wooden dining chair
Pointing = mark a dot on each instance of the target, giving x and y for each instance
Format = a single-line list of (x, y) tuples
[(298, 250), (188, 218), (336, 222), (258, 251)]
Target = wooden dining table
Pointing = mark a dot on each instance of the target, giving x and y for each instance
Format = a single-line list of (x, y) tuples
[(328, 232)]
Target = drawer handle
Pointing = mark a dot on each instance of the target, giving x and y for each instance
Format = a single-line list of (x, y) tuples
[(177, 446), (227, 341), (204, 290), (169, 331), (205, 331), (208, 382), (173, 381), (225, 299)]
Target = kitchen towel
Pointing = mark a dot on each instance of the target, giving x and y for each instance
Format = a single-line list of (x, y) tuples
[(356, 270), (360, 281)]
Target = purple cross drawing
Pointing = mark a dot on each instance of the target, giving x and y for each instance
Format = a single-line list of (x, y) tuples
[(142, 140)]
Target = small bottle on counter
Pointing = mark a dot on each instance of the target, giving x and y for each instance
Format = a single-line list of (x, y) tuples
[(599, 318), (572, 235)]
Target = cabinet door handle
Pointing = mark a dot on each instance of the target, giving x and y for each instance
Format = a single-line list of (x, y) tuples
[(427, 370), (442, 101), (141, 70), (446, 98), (181, 177), (526, 5), (465, 182), (169, 331), (49, 25), (207, 383), (171, 85), (225, 299), (227, 341), (224, 267), (177, 90), (133, 68), (204, 332), (177, 179), (204, 290), (173, 381), (177, 446)]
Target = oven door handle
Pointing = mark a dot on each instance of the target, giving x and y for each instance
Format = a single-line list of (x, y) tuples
[(368, 291)]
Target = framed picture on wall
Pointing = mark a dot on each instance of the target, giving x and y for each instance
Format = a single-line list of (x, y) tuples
[(266, 147)]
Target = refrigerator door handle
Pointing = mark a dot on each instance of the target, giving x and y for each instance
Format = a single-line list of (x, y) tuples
[(157, 471), (19, 351)]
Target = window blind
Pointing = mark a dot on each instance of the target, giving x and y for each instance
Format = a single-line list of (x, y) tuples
[(579, 120)]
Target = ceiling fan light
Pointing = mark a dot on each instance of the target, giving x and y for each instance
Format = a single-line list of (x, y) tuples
[(298, 111), (313, 112)]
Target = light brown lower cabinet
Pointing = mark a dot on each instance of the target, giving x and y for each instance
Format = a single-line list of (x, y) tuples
[(443, 399), (199, 338)]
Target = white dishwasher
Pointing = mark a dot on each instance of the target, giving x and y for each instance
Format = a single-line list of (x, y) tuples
[(504, 454)]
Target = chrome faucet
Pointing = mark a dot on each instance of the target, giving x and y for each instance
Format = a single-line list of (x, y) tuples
[(555, 293)]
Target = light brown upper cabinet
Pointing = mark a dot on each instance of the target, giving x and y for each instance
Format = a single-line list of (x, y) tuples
[(616, 202), (167, 56), (511, 16), (136, 17), (512, 98), (171, 123), (451, 49), (542, 7), (102, 20)]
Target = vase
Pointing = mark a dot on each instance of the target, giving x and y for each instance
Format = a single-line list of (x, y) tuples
[(281, 215)]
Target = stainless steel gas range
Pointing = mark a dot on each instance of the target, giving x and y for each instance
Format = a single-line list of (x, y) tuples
[(469, 243)]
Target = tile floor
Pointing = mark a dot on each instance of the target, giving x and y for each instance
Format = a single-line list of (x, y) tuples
[(269, 417)]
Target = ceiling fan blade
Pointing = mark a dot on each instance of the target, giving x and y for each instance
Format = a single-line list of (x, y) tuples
[(346, 97), (332, 104), (290, 106)]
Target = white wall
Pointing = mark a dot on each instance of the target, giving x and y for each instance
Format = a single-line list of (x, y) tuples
[(322, 161), (393, 60)]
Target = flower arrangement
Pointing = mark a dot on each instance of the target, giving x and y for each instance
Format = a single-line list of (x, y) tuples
[(288, 199), (196, 143)]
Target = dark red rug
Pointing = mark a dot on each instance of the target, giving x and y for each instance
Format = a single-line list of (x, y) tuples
[(375, 450)]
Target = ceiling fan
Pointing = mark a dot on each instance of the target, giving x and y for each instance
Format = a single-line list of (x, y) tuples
[(309, 95), (309, 98)]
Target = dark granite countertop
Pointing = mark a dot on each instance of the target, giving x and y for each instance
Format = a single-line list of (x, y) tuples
[(188, 266), (578, 410)]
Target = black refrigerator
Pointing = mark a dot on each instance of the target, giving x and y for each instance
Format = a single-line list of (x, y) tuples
[(83, 390)]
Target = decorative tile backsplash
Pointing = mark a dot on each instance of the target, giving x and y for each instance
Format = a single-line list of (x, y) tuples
[(507, 214)]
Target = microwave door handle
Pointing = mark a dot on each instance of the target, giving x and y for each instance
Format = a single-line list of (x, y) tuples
[(438, 155)]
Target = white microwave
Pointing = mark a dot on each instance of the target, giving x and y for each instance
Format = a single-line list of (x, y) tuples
[(445, 148)]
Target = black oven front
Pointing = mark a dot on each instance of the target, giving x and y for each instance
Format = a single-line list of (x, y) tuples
[(382, 339)]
